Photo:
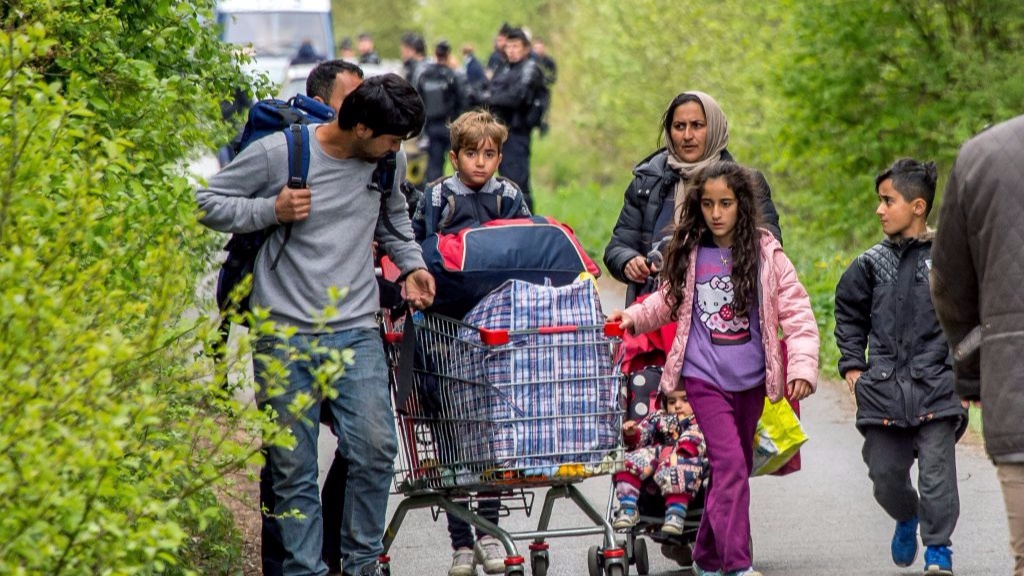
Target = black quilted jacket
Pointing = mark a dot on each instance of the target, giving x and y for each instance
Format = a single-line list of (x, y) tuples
[(978, 279), (653, 180), (883, 307)]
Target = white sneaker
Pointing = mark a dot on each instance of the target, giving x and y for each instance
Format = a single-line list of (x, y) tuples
[(462, 563), (490, 554)]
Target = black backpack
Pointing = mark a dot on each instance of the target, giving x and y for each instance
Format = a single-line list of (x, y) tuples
[(439, 91)]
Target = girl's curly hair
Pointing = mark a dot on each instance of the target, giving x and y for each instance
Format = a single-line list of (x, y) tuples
[(692, 228)]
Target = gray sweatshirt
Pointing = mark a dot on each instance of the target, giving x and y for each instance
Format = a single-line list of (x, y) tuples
[(331, 248)]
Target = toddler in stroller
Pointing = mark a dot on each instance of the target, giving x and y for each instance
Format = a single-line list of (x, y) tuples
[(660, 490), (668, 447)]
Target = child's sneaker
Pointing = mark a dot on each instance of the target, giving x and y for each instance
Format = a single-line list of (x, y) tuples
[(744, 572), (904, 542), (462, 563), (673, 524), (938, 561), (626, 517), (698, 571), (490, 554)]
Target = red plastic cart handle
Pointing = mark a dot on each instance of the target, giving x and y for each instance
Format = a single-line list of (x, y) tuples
[(493, 337), (613, 330)]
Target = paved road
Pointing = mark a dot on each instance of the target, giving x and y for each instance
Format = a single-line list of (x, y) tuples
[(821, 521)]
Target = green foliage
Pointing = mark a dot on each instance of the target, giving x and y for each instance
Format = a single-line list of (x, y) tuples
[(820, 96), (113, 434), (462, 21), (856, 85), (385, 20)]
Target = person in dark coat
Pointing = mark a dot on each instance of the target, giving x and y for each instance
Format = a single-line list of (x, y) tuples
[(497, 57), (413, 51), (696, 133), (977, 275), (476, 75), (444, 98), (367, 53), (511, 97), (906, 406), (307, 54)]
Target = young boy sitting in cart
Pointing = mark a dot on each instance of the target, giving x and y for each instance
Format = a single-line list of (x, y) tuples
[(471, 197), (474, 195), (668, 446)]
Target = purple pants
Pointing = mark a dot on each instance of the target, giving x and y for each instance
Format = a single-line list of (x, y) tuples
[(728, 420)]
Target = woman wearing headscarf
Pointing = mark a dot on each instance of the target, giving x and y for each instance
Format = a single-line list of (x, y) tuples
[(696, 133)]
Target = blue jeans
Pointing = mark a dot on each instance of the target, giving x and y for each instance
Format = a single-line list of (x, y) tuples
[(366, 438)]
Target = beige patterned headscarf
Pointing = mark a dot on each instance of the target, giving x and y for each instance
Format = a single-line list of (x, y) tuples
[(717, 140)]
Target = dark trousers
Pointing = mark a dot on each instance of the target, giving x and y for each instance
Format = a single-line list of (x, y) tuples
[(515, 162), (440, 143), (889, 453), (461, 532)]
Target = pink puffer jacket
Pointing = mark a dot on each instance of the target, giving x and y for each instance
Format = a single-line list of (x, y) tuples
[(784, 304)]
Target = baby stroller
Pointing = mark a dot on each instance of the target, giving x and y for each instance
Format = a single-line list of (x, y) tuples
[(641, 358), (641, 362)]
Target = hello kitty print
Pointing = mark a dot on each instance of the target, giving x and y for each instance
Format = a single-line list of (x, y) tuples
[(714, 301), (724, 348)]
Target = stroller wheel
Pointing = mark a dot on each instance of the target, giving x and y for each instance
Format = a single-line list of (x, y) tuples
[(680, 554), (643, 565)]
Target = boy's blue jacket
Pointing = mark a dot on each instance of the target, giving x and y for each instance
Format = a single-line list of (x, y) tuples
[(884, 308)]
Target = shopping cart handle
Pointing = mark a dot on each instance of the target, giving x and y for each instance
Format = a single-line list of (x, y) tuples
[(613, 329), (557, 329), (493, 337)]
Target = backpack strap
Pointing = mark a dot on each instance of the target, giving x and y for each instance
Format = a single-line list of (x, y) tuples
[(297, 136), (383, 181)]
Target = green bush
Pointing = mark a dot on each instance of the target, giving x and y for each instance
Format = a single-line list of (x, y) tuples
[(114, 434)]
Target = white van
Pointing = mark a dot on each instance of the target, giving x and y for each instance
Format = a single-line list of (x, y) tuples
[(276, 30)]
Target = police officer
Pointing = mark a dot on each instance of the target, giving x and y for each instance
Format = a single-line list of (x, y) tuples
[(443, 93), (513, 97)]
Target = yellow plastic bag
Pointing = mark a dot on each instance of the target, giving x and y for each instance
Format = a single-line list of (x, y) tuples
[(779, 435)]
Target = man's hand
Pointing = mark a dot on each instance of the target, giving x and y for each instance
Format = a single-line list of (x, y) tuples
[(293, 204), (798, 389), (419, 289), (637, 269), (851, 377)]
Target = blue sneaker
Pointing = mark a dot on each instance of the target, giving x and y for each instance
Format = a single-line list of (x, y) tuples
[(904, 542), (698, 571), (938, 561)]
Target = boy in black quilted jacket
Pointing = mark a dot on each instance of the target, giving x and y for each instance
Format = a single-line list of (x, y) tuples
[(906, 405)]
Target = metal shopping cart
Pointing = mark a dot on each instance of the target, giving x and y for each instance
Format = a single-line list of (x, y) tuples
[(505, 412)]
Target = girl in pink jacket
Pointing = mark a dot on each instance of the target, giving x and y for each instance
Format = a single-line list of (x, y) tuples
[(730, 289)]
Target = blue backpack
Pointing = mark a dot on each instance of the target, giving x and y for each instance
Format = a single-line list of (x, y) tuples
[(268, 117)]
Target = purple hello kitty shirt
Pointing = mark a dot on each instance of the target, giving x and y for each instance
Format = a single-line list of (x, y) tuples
[(723, 348)]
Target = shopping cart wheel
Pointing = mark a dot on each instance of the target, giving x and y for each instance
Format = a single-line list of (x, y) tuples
[(615, 570), (643, 565), (514, 566), (539, 563), (593, 562)]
